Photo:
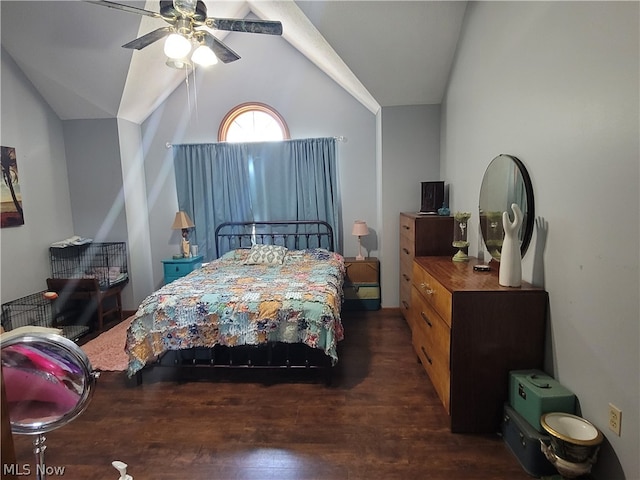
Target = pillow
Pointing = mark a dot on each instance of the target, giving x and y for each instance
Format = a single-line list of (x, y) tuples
[(270, 254)]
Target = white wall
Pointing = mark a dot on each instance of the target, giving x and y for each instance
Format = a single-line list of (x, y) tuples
[(95, 179), (272, 72), (29, 125), (556, 84), (410, 155), (96, 187), (136, 213)]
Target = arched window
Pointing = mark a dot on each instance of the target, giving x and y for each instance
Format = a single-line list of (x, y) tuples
[(252, 122)]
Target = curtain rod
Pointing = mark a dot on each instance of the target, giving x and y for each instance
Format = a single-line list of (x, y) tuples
[(340, 138)]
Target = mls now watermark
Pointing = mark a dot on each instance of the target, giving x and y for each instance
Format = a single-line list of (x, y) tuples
[(26, 469)]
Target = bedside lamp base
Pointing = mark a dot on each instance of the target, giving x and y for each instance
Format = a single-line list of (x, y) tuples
[(359, 257)]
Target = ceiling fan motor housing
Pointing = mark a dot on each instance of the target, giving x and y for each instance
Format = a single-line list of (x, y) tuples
[(184, 27), (171, 14)]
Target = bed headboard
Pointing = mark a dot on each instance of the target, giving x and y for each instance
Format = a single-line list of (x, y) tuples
[(293, 234)]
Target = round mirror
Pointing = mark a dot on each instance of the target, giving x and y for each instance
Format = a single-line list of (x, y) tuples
[(48, 381), (505, 182)]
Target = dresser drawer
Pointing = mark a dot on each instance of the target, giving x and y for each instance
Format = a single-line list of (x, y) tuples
[(405, 293), (431, 340), (177, 269), (407, 227), (437, 296), (439, 376), (362, 271), (406, 268), (433, 328), (407, 249)]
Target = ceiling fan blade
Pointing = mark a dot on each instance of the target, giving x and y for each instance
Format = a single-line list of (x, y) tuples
[(224, 53), (268, 27), (126, 8), (145, 40)]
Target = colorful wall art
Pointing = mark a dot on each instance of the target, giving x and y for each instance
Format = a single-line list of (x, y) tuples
[(10, 198)]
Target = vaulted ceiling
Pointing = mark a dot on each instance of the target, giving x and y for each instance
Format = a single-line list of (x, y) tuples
[(385, 53)]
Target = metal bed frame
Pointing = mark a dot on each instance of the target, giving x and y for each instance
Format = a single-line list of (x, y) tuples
[(294, 234), (273, 355)]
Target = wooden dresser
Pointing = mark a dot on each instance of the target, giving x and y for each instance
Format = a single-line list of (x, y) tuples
[(469, 332), (421, 235)]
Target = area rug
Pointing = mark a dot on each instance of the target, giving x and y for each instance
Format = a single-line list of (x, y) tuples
[(106, 351)]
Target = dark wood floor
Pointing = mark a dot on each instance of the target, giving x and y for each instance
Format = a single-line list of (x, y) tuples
[(381, 419)]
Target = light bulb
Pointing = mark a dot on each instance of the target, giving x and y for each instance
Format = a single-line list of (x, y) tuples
[(177, 46), (204, 57)]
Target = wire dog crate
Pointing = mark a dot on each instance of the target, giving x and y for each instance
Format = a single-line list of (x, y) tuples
[(37, 310), (88, 279), (106, 262)]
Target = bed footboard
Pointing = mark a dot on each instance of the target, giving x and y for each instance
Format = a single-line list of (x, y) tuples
[(272, 355)]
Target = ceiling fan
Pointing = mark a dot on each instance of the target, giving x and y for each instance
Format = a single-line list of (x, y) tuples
[(184, 18)]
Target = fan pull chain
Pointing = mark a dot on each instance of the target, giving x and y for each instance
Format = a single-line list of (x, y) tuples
[(195, 93), (186, 82)]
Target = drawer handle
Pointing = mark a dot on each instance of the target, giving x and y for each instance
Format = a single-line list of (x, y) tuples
[(406, 305), (428, 290), (177, 269), (426, 355), (426, 319), (406, 227), (406, 277), (405, 251)]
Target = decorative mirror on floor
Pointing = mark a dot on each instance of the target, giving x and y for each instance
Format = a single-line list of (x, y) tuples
[(48, 382), (506, 181)]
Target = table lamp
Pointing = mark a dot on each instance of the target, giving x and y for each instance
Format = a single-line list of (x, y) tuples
[(360, 229), (184, 223)]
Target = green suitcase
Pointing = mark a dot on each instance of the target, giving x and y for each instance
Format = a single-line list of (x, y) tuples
[(533, 392), (361, 296)]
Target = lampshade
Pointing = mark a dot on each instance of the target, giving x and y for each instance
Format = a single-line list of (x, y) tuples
[(204, 56), (360, 228), (177, 46), (182, 221)]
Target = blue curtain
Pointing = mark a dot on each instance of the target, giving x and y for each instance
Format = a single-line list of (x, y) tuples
[(261, 181), (210, 180)]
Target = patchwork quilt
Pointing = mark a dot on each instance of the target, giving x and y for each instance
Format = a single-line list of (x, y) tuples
[(232, 301)]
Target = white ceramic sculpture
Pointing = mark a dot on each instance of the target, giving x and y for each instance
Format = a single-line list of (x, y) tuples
[(122, 468), (510, 259)]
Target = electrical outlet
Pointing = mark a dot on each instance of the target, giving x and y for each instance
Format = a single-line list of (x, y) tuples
[(615, 419)]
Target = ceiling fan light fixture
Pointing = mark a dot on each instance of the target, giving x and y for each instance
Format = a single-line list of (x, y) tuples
[(204, 56), (176, 46), (182, 35)]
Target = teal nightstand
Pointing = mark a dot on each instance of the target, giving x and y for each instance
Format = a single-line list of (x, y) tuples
[(179, 267)]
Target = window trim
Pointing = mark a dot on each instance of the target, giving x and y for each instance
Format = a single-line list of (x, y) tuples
[(238, 110)]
